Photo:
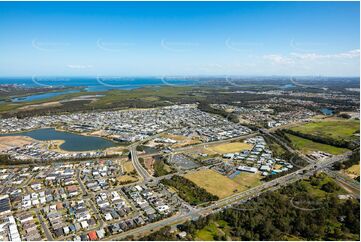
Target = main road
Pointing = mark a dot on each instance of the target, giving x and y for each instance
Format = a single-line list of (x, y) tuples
[(236, 198), (138, 167)]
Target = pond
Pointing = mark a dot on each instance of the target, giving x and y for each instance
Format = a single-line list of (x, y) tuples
[(326, 111), (73, 142)]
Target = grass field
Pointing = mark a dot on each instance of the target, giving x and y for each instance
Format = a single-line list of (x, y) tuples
[(214, 182), (127, 179), (128, 167), (307, 146), (337, 129), (247, 180), (277, 149), (173, 136), (129, 173), (212, 230), (231, 147), (354, 170)]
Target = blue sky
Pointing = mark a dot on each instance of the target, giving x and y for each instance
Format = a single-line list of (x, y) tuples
[(179, 38)]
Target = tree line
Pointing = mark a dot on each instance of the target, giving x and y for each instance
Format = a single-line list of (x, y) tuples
[(323, 140), (189, 191)]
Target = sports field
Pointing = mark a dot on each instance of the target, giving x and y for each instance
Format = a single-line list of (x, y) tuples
[(338, 129), (214, 182), (231, 147), (307, 146)]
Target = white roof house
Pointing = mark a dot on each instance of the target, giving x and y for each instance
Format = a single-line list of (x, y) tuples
[(248, 169)]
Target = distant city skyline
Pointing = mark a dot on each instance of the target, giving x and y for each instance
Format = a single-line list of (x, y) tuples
[(179, 38)]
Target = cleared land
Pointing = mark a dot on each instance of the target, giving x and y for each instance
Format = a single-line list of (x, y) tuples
[(42, 105), (189, 191), (214, 182), (181, 140), (127, 179), (7, 142), (129, 173), (338, 129), (248, 180), (231, 147), (353, 171), (307, 146), (148, 163), (128, 167)]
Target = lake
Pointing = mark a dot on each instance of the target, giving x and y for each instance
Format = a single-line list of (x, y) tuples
[(288, 86), (73, 142), (41, 96), (327, 111)]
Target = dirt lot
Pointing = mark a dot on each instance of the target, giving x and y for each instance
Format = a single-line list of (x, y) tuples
[(7, 142), (39, 106), (148, 162)]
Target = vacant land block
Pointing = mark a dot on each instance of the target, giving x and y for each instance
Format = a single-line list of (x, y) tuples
[(247, 180), (338, 129), (231, 147), (353, 171), (128, 167), (214, 182), (7, 142), (308, 146), (183, 162)]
